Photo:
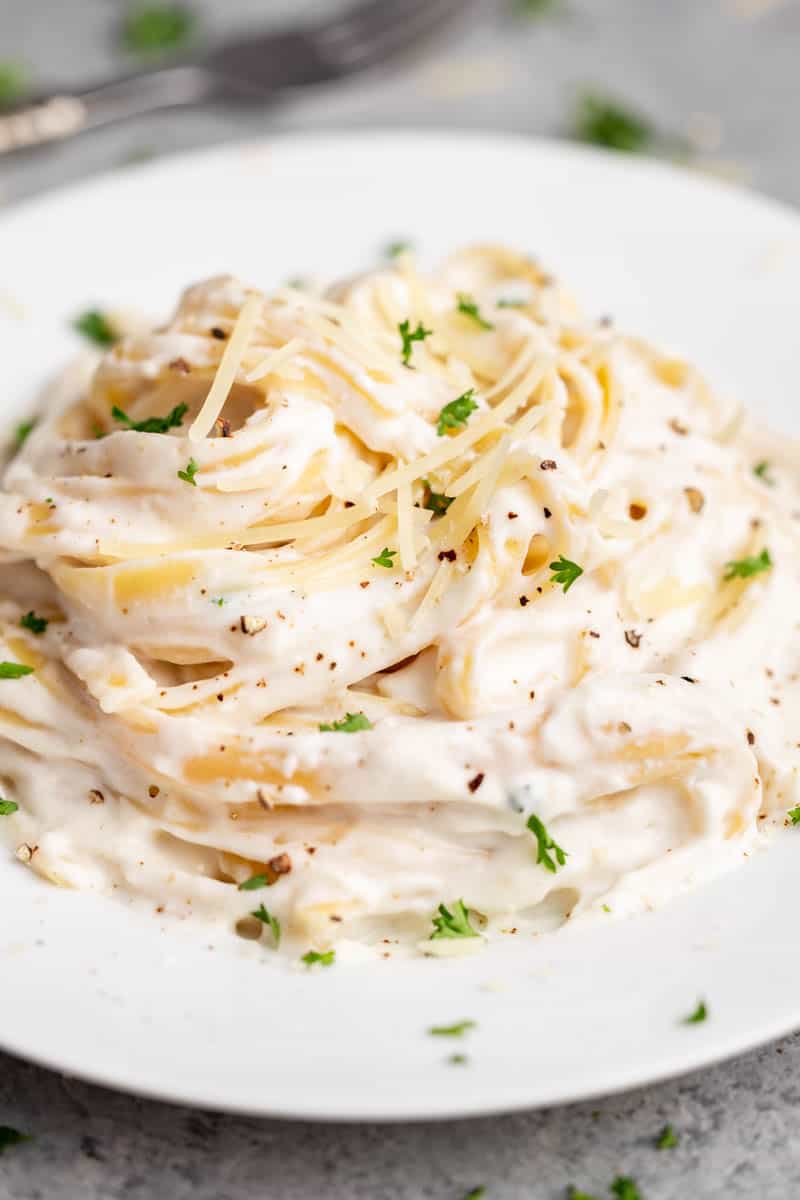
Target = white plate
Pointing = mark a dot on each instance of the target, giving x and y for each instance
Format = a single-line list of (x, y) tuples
[(98, 990)]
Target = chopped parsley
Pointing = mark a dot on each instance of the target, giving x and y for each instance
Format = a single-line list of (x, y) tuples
[(456, 414), (23, 432), (468, 308), (172, 420), (13, 670), (253, 883), (624, 1188), (384, 559), (153, 28), (700, 1014), (350, 723), (534, 8), (574, 1193), (544, 844), (12, 1137), (476, 1194), (13, 83), (7, 807), (267, 919), (601, 121), (794, 815), (95, 327), (325, 960), (219, 601), (435, 502), (667, 1139), (458, 1060), (761, 471), (511, 302), (564, 572), (743, 568), (188, 475), (456, 1030), (409, 336), (33, 623), (395, 249), (453, 924)]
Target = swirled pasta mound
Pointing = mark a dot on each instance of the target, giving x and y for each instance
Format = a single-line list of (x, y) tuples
[(425, 591)]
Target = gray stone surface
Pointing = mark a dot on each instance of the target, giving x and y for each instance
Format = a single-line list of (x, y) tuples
[(724, 73)]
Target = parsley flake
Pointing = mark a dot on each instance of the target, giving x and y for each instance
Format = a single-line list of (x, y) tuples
[(13, 670), (574, 1193), (458, 1060), (154, 28), (534, 8), (476, 1194), (188, 475), (624, 1188), (468, 308), (325, 960), (395, 249), (794, 815), (410, 336), (604, 122), (453, 924), (350, 723), (700, 1014), (384, 559), (267, 919), (13, 83), (23, 432), (544, 844), (172, 420), (456, 414), (456, 1030), (12, 1137), (33, 623), (564, 572), (761, 471), (435, 502), (511, 302), (7, 807), (95, 327), (667, 1139), (253, 883), (743, 568)]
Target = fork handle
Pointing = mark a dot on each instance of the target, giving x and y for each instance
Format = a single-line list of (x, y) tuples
[(60, 115)]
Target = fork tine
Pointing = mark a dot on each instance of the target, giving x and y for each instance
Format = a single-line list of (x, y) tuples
[(379, 28)]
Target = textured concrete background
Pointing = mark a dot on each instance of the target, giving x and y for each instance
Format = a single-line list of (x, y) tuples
[(722, 74)]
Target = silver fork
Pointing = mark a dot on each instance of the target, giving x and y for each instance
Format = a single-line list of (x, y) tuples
[(247, 71)]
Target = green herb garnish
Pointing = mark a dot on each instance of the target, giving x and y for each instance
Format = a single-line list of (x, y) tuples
[(267, 918), (410, 336), (624, 1188), (384, 559), (435, 502), (476, 1194), (33, 623), (13, 83), (667, 1139), (510, 302), (173, 420), (12, 1137), (761, 471), (7, 807), (456, 1030), (23, 432), (458, 1060), (188, 475), (545, 844), (395, 249), (468, 308), (253, 883), (605, 122), (154, 28), (700, 1014), (453, 924), (743, 568), (12, 670), (456, 414), (794, 815), (565, 572), (534, 8), (350, 723), (574, 1193), (95, 327), (313, 956), (219, 601)]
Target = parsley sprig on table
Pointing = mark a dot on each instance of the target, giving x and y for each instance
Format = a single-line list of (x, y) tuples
[(544, 844), (154, 28), (699, 1015), (409, 336), (13, 83), (173, 420), (350, 723), (667, 1139), (564, 572), (602, 121), (453, 924), (456, 1030), (456, 414), (12, 1137), (468, 308), (744, 568)]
